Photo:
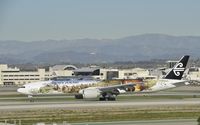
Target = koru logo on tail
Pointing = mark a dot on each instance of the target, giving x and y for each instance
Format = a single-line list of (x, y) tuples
[(178, 69)]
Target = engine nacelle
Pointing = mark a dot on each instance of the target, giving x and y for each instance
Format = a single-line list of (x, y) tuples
[(121, 91), (89, 93), (136, 88)]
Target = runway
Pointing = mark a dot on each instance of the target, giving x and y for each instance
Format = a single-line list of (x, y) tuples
[(21, 102), (132, 109), (94, 104), (146, 122)]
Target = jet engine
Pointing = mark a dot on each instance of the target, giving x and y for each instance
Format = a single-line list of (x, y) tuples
[(88, 93), (136, 88), (121, 91), (118, 91)]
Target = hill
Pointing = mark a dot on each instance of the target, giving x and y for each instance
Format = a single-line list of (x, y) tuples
[(132, 48)]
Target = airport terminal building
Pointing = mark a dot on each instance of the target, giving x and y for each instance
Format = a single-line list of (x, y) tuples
[(15, 76)]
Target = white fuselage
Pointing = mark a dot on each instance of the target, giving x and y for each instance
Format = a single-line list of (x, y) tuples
[(34, 88)]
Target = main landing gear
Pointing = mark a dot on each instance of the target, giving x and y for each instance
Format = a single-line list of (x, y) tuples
[(107, 97)]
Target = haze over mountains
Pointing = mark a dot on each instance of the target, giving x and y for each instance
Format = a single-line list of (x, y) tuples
[(133, 48)]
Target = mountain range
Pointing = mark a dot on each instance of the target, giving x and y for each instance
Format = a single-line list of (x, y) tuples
[(132, 48)]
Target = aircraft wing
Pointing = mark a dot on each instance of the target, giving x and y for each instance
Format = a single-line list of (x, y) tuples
[(122, 87)]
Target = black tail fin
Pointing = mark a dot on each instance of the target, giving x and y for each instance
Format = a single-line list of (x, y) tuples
[(177, 71)]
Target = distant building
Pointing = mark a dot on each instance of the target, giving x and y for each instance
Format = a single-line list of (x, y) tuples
[(97, 72), (87, 71), (13, 76), (109, 73), (62, 70), (170, 63), (194, 73), (133, 73)]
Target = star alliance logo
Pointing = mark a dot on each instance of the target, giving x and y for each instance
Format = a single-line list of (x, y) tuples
[(178, 69)]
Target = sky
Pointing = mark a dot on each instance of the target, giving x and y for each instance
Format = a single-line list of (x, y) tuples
[(32, 20)]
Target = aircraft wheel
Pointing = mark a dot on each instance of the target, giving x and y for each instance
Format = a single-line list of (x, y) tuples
[(102, 99), (111, 99), (79, 96)]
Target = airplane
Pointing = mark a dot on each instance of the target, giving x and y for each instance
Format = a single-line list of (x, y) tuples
[(172, 79)]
